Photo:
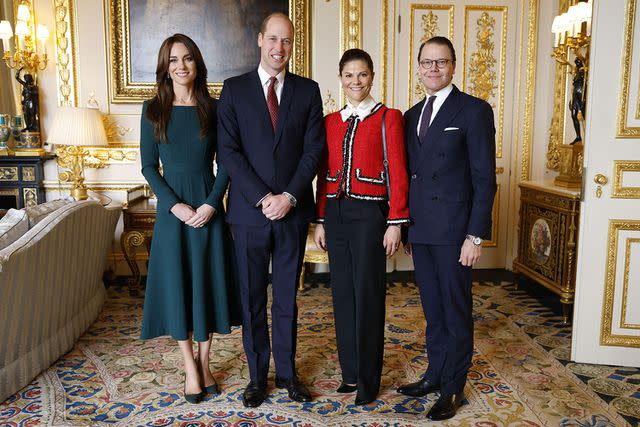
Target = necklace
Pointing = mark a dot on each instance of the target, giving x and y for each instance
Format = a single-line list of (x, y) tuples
[(182, 101)]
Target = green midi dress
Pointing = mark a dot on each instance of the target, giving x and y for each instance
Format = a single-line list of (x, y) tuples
[(190, 281)]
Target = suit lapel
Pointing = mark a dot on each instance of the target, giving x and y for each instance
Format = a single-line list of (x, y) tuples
[(283, 108), (446, 113), (262, 108), (413, 143)]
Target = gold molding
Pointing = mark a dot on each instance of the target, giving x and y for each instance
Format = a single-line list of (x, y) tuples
[(530, 84), (623, 129), (625, 286), (607, 337), (9, 173), (412, 61), (503, 65), (329, 104), (124, 91), (93, 186), (620, 167), (66, 52), (350, 30), (384, 44), (556, 128)]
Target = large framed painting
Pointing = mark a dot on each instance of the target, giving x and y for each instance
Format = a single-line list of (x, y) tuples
[(226, 32)]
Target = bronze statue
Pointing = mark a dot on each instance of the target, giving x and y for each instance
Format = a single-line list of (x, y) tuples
[(577, 103), (30, 103)]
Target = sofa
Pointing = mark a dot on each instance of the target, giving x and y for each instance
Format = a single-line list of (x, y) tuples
[(51, 286)]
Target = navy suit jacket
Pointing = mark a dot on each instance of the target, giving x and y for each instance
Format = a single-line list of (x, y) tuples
[(452, 174), (260, 160)]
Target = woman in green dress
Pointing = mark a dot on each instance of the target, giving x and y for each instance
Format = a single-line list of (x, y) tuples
[(190, 288)]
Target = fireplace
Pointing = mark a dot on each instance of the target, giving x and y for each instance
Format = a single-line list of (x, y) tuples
[(21, 181)]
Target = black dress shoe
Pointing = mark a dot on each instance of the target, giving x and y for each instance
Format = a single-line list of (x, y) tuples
[(361, 401), (297, 390), (445, 407), (212, 389), (254, 395), (419, 388), (346, 388)]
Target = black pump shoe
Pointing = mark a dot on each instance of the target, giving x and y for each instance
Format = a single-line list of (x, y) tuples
[(346, 388)]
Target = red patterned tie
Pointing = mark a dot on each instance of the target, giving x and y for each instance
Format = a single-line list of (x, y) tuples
[(272, 101)]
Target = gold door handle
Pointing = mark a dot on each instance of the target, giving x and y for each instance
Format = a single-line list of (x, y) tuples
[(600, 180)]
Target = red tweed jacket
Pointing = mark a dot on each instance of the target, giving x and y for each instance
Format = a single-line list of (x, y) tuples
[(352, 164)]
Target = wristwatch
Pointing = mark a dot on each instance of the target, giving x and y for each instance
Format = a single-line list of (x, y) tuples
[(474, 239)]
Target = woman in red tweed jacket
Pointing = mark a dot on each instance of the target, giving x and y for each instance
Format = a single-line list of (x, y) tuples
[(358, 223)]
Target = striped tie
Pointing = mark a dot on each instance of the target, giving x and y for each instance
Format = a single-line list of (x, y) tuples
[(272, 101)]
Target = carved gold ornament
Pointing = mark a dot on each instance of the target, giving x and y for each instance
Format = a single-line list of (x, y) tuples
[(481, 67), (429, 29), (65, 44), (329, 104)]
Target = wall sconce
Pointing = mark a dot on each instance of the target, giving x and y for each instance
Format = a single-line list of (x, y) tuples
[(572, 34), (26, 59)]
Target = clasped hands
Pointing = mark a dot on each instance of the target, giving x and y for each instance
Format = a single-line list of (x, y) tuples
[(390, 241), (276, 206), (196, 218)]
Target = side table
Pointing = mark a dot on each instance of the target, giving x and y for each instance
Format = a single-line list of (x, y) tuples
[(139, 216)]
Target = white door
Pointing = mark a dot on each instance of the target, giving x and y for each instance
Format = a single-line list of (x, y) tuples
[(606, 326), (484, 38)]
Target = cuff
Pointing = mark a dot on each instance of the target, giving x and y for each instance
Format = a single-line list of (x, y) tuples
[(257, 205)]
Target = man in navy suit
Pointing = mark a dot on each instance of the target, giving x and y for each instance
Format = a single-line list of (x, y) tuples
[(450, 139), (270, 136)]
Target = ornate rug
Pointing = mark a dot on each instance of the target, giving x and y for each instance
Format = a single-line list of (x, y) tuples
[(112, 378)]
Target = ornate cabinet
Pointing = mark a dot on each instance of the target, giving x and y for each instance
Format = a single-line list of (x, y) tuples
[(21, 181), (547, 236)]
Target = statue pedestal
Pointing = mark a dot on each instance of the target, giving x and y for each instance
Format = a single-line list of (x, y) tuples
[(570, 166)]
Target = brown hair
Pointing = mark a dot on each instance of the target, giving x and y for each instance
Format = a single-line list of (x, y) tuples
[(159, 108), (355, 55), (439, 40)]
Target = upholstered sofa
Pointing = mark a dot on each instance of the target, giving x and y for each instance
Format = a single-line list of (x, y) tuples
[(51, 286)]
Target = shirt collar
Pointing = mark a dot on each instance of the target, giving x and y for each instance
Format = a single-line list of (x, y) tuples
[(442, 93), (362, 110), (264, 76)]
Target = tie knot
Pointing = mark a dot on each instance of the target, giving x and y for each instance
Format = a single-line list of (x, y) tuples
[(431, 99), (272, 81)]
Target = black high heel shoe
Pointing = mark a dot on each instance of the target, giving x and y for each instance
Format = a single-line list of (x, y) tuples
[(212, 389), (346, 388), (194, 397)]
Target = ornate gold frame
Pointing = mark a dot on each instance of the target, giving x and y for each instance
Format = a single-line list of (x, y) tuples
[(620, 191), (623, 129), (607, 336), (125, 91)]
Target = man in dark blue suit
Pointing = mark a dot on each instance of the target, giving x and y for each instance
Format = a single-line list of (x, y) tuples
[(450, 139), (270, 136)]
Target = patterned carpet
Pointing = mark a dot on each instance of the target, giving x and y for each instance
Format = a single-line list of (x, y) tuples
[(112, 378)]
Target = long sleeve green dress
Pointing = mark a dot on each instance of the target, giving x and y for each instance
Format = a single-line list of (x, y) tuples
[(190, 281)]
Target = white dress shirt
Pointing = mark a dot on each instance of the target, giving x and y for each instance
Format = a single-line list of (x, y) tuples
[(361, 110), (264, 79), (441, 96)]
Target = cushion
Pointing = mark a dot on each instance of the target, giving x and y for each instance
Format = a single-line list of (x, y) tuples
[(39, 212), (12, 226)]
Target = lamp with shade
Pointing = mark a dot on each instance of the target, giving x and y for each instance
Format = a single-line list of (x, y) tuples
[(74, 129)]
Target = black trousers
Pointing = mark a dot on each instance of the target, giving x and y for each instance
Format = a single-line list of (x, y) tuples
[(283, 244), (445, 291), (354, 232)]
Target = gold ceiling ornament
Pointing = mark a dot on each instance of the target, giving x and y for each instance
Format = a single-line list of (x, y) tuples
[(483, 60), (66, 52)]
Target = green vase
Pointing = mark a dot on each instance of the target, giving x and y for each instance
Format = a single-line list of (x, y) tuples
[(5, 131)]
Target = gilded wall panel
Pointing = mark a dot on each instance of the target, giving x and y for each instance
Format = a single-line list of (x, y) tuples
[(350, 29), (628, 123), (425, 21), (624, 236), (66, 50), (485, 59), (630, 317), (620, 190)]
